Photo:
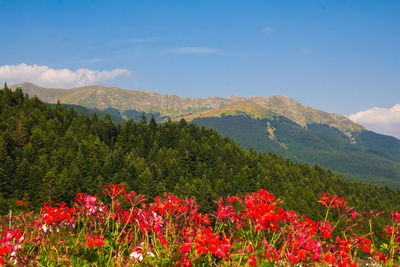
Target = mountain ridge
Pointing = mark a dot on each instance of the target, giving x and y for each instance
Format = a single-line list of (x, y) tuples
[(176, 107)]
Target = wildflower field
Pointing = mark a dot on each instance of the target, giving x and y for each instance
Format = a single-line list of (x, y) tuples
[(245, 230)]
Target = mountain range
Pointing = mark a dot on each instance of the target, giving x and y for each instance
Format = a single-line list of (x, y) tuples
[(276, 124)]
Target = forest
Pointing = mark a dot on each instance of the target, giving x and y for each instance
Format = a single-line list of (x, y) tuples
[(49, 153)]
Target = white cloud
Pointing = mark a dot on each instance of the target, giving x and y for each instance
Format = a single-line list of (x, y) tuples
[(197, 50), (267, 30), (63, 78), (381, 120)]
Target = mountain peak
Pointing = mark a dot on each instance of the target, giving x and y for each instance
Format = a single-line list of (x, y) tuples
[(235, 98), (304, 115), (25, 85), (281, 97)]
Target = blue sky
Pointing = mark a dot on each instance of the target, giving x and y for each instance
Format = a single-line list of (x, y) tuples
[(339, 56)]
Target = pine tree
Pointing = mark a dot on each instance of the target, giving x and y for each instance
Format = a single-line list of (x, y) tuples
[(143, 119), (146, 183), (153, 124)]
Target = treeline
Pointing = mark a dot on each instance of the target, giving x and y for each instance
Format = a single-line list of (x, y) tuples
[(51, 153)]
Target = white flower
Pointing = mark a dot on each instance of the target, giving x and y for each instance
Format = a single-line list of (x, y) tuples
[(137, 255)]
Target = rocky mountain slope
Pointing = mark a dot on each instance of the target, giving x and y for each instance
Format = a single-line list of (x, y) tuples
[(173, 106)]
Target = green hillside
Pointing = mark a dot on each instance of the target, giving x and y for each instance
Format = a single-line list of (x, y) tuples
[(366, 160)]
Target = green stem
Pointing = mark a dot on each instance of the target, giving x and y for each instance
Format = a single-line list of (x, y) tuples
[(326, 214), (83, 228)]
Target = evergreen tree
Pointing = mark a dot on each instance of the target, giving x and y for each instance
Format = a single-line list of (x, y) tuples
[(143, 119)]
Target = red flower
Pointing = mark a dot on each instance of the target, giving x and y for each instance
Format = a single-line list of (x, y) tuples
[(201, 250), (329, 258), (366, 248), (325, 229), (293, 259), (114, 190), (380, 257), (220, 253), (186, 248), (4, 250), (250, 247), (301, 253), (354, 214), (162, 239), (252, 261), (396, 216), (19, 202), (47, 219), (364, 243), (95, 241), (232, 199), (332, 201)]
